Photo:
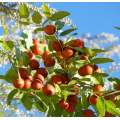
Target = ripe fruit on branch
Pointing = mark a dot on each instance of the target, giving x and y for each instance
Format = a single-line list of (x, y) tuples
[(36, 50), (19, 83), (96, 69), (73, 99), (85, 70), (77, 43), (57, 45), (23, 73), (49, 29), (39, 76), (27, 83), (98, 89), (49, 61), (67, 52), (88, 113), (34, 64), (60, 79), (45, 55), (57, 79), (42, 71), (71, 108), (30, 55), (63, 104), (117, 87), (93, 99), (83, 57), (107, 114), (37, 85), (30, 77), (64, 78), (59, 54), (48, 90), (35, 42)]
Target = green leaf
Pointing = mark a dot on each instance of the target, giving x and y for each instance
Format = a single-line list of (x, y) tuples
[(101, 60), (24, 58), (100, 106), (59, 15), (118, 28), (66, 32), (59, 25), (84, 101), (100, 74), (10, 75), (10, 44), (58, 111), (40, 106), (11, 96), (46, 11), (24, 35), (37, 30), (111, 79), (23, 11), (36, 17), (98, 50), (111, 107), (27, 101), (58, 71)]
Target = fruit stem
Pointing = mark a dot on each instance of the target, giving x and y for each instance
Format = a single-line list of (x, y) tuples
[(112, 93)]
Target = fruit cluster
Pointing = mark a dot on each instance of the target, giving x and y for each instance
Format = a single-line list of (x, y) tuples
[(34, 77)]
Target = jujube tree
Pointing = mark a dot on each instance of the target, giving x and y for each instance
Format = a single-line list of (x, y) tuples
[(57, 73)]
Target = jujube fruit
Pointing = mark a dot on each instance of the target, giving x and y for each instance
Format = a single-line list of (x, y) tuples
[(85, 70), (45, 55), (37, 85), (39, 76), (88, 113), (83, 57), (108, 114), (59, 54), (93, 99), (36, 50), (77, 43), (96, 69), (49, 61), (35, 42), (117, 87), (30, 55), (18, 83), (49, 29), (67, 52), (56, 79), (34, 64), (42, 71), (64, 78), (73, 99), (57, 45), (27, 83), (63, 104), (70, 108), (23, 73), (98, 88), (48, 90), (29, 77)]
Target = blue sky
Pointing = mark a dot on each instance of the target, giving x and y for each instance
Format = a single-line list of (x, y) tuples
[(92, 17)]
